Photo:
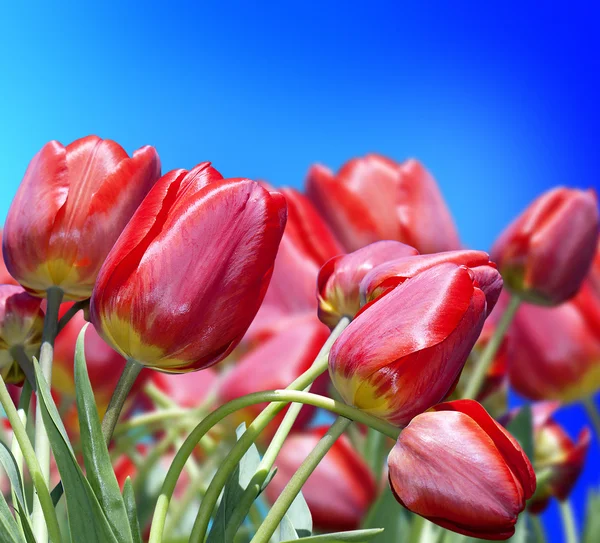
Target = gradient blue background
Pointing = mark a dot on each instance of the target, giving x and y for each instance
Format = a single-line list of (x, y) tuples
[(500, 102)]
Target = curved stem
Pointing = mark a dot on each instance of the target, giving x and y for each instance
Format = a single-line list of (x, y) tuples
[(18, 353), (292, 489), (487, 356), (130, 373), (73, 310), (568, 521), (37, 476), (54, 297), (149, 419), (592, 411), (279, 397), (220, 478)]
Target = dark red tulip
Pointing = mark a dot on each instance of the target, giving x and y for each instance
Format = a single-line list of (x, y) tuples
[(340, 278), (21, 325), (555, 353), (275, 363), (547, 251), (340, 490), (388, 275), (404, 353), (457, 467), (557, 453), (187, 276), (70, 208), (374, 198)]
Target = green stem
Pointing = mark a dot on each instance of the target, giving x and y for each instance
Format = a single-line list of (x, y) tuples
[(150, 419), (292, 489), (130, 373), (18, 353), (73, 310), (54, 297), (487, 356), (538, 528), (592, 410), (279, 399), (35, 470), (568, 521), (222, 475)]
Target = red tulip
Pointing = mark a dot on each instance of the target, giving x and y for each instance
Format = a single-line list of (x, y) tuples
[(555, 353), (557, 452), (188, 391), (339, 491), (404, 353), (187, 276), (388, 275), (457, 467), (340, 278), (5, 277), (547, 251), (374, 198), (104, 364), (277, 362), (21, 325), (71, 206)]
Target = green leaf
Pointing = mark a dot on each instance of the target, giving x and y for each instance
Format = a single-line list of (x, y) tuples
[(87, 521), (356, 536), (286, 532), (236, 484), (130, 506), (98, 467), (298, 515), (387, 513), (592, 518), (9, 529), (521, 427), (269, 478)]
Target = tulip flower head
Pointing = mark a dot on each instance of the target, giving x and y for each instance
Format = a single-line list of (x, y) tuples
[(404, 353), (69, 210), (5, 277), (375, 198), (340, 277), (185, 279), (547, 251), (21, 325), (457, 467)]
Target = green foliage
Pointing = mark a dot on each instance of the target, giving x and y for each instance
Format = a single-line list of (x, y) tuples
[(521, 427), (356, 536), (388, 514), (591, 531)]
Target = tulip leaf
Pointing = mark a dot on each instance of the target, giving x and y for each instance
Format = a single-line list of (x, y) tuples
[(130, 506), (236, 484), (98, 467), (87, 521), (356, 536), (269, 478), (286, 532), (388, 514), (521, 427), (592, 518), (299, 517), (9, 529)]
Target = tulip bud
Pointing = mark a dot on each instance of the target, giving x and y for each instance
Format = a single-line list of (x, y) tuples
[(404, 353), (340, 490), (555, 353), (70, 208), (5, 277), (277, 362), (547, 251), (555, 452), (21, 326), (388, 275), (340, 277), (374, 198), (457, 467), (185, 279)]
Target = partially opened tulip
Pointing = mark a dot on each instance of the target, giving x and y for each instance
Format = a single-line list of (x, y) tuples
[(69, 210), (375, 198), (21, 325), (390, 274), (339, 279), (404, 353), (340, 490), (186, 277), (457, 467), (555, 353), (547, 251)]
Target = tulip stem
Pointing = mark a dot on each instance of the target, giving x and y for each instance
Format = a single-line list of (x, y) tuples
[(592, 410), (568, 521), (18, 353), (33, 465), (222, 475), (130, 373), (73, 310), (54, 296), (294, 486), (487, 356)]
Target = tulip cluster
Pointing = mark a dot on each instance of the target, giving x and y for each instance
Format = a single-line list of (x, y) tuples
[(220, 303)]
